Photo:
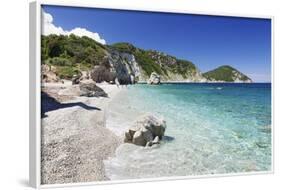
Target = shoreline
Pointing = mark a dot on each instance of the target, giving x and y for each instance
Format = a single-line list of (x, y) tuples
[(93, 151), (75, 140), (189, 133), (191, 82)]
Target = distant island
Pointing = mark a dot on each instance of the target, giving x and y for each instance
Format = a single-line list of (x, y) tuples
[(72, 56), (226, 73)]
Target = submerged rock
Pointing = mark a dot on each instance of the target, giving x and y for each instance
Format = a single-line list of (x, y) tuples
[(265, 129), (90, 89), (262, 144), (154, 78), (146, 131)]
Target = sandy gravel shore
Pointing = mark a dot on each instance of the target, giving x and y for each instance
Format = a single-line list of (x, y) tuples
[(74, 139)]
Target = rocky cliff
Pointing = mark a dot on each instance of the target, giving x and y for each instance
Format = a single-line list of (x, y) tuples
[(168, 67), (72, 55)]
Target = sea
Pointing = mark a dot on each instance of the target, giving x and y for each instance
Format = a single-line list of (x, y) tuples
[(212, 128)]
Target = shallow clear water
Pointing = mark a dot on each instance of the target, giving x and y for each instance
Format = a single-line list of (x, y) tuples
[(211, 129)]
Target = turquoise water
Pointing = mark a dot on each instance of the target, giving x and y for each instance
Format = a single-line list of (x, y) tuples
[(211, 129)]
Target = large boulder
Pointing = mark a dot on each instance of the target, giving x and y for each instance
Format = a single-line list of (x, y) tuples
[(102, 73), (124, 66), (48, 74), (75, 79), (90, 89), (147, 134), (154, 79), (120, 65), (138, 139), (84, 75), (146, 131)]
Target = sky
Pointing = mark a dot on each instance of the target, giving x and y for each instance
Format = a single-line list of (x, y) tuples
[(207, 41)]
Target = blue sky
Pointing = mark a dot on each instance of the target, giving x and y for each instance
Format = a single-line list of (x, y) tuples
[(207, 41)]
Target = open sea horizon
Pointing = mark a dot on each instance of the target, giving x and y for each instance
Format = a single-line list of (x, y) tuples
[(212, 128)]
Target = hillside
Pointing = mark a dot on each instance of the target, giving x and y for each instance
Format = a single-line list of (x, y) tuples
[(168, 67), (72, 55), (226, 73)]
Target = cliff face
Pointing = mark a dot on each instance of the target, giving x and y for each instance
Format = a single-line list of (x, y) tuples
[(168, 67), (72, 55), (124, 65)]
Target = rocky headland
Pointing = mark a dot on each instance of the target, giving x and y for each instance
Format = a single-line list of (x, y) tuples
[(82, 56)]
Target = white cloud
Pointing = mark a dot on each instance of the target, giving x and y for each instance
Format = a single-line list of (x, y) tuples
[(49, 28)]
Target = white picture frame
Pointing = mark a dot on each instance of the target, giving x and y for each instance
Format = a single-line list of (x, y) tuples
[(35, 88)]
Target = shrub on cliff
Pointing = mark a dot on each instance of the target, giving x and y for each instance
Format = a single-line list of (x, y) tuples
[(58, 61)]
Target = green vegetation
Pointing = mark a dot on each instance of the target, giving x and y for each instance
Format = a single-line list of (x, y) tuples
[(71, 54), (75, 49), (67, 72), (58, 61), (142, 57), (183, 67), (124, 47), (147, 64), (225, 73), (149, 61)]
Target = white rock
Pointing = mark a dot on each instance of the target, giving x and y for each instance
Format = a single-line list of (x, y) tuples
[(128, 137), (138, 139), (147, 134), (147, 130), (154, 79), (90, 89), (156, 140), (156, 125), (149, 144)]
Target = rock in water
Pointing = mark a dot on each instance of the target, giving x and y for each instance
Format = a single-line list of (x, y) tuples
[(138, 139), (128, 137), (156, 140), (154, 79), (149, 144), (146, 131), (154, 124), (265, 129), (147, 134), (90, 89)]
